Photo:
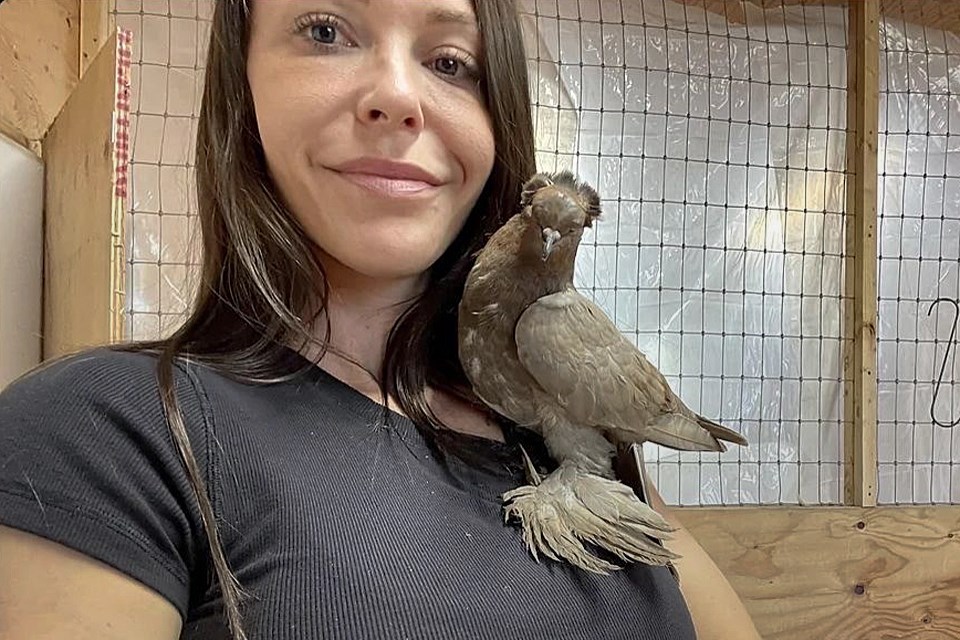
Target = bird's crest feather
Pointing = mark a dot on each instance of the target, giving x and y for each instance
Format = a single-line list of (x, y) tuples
[(585, 194)]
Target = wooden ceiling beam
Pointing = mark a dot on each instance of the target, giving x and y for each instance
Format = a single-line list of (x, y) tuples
[(935, 14)]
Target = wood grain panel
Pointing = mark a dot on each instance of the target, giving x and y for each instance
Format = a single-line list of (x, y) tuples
[(79, 226), (936, 14), (39, 64), (839, 573)]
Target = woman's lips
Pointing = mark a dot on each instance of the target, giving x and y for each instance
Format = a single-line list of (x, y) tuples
[(388, 177), (388, 187)]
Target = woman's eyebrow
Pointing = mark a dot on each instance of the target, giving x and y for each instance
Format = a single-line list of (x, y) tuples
[(450, 16), (442, 15)]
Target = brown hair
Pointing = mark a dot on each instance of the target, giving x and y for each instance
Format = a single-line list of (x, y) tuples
[(258, 270)]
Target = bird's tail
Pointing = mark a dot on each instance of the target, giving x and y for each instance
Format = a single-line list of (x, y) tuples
[(696, 433)]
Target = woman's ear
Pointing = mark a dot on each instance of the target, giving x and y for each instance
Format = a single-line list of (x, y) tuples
[(531, 186)]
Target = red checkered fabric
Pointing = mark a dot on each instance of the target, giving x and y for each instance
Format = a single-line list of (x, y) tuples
[(122, 124)]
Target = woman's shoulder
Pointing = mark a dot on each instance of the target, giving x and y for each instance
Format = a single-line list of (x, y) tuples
[(101, 371), (119, 374), (89, 462), (76, 396)]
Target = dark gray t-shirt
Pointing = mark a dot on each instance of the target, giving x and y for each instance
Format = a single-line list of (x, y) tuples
[(337, 526)]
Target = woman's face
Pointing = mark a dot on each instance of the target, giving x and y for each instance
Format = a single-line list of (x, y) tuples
[(374, 128)]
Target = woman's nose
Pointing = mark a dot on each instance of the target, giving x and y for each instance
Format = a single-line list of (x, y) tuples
[(392, 96)]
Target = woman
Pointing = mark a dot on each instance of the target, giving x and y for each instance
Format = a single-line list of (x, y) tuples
[(352, 156)]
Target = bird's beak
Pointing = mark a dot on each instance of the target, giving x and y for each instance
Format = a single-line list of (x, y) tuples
[(550, 237)]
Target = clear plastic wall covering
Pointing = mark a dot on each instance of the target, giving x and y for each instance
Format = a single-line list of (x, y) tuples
[(918, 370), (718, 147), (719, 151)]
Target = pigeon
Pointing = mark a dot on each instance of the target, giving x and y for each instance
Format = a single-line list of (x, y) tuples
[(544, 356)]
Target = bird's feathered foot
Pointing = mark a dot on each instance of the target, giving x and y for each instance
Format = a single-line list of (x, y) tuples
[(570, 507)]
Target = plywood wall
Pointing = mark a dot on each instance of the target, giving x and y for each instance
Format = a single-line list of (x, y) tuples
[(839, 573), (39, 64)]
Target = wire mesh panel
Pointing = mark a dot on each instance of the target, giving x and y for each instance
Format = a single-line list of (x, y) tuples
[(718, 147), (919, 231), (717, 142), (169, 39)]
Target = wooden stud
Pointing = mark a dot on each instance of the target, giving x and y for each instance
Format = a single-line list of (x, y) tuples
[(96, 27), (936, 14), (860, 287), (79, 226)]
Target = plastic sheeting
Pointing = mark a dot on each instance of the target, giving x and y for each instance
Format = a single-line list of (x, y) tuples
[(919, 232), (21, 260), (719, 151), (169, 50)]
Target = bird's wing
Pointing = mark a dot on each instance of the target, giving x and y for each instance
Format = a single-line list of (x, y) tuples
[(578, 355)]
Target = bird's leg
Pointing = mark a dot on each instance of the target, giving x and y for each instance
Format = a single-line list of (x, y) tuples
[(581, 502), (583, 447)]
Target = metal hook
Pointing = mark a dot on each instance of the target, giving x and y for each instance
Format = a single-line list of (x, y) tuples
[(946, 358)]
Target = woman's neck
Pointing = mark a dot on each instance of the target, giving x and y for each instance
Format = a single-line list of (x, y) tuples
[(361, 312)]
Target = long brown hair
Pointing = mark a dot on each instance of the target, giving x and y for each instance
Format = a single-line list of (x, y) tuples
[(259, 270)]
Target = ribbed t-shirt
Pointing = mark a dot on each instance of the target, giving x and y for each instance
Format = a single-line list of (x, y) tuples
[(338, 523)]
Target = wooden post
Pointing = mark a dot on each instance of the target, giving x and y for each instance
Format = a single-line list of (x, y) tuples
[(860, 357), (96, 27), (82, 229)]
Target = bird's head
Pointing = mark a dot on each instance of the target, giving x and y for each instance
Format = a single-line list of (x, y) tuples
[(557, 208)]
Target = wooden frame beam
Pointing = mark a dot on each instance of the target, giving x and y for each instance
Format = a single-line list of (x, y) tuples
[(81, 230), (38, 65), (936, 14), (96, 27), (860, 286)]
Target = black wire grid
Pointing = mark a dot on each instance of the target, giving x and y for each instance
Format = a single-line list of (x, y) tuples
[(719, 150), (918, 400), (718, 147), (169, 45)]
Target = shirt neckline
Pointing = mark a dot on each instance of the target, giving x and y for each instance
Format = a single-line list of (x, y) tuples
[(487, 449)]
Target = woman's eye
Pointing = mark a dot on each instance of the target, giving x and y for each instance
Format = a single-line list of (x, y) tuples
[(456, 66), (322, 30), (447, 66), (324, 33)]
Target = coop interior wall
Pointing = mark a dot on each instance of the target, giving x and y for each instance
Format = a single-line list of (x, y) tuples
[(719, 152), (169, 50), (919, 255)]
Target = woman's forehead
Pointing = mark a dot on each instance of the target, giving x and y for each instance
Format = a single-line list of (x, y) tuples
[(430, 11)]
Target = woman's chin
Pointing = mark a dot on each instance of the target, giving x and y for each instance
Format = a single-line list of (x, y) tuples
[(389, 263)]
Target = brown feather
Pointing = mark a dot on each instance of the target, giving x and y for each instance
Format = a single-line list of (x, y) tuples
[(515, 343), (543, 355)]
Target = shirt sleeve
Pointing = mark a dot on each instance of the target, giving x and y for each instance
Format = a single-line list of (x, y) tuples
[(87, 461)]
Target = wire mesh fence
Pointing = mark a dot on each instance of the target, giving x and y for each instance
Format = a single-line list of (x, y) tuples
[(717, 140), (170, 39), (919, 271), (719, 151)]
